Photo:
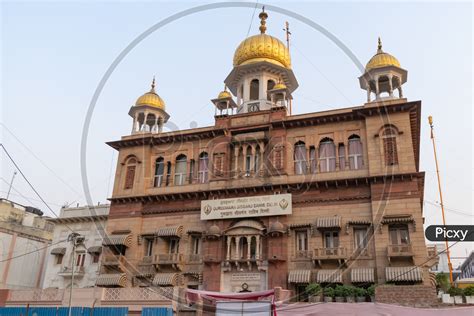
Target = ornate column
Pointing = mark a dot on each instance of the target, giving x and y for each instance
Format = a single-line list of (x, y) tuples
[(237, 246), (400, 93), (229, 239), (368, 94), (244, 158), (376, 87), (236, 161), (390, 87), (252, 159), (249, 241), (257, 247)]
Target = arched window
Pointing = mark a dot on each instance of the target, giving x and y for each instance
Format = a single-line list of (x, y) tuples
[(327, 155), (389, 138), (270, 86), (254, 89), (180, 170), (203, 168), (356, 160), (342, 156), (131, 167), (159, 171), (300, 158)]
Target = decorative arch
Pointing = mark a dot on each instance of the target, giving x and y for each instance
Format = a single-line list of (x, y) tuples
[(356, 160), (299, 157), (203, 167), (180, 169), (159, 171), (389, 134), (327, 155)]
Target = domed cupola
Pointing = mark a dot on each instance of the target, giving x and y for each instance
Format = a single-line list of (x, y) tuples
[(276, 229), (213, 232), (148, 113), (260, 61), (383, 74)]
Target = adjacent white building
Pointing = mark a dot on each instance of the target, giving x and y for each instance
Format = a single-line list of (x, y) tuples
[(89, 222), (24, 239)]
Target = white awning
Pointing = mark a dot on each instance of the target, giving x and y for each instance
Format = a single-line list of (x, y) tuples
[(166, 279), (329, 276), (359, 275), (94, 249), (299, 276), (329, 222), (410, 273), (117, 240), (115, 279)]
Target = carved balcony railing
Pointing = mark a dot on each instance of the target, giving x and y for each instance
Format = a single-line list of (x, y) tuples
[(37, 295), (194, 258), (302, 255), (323, 254), (400, 251), (172, 259), (114, 261), (140, 294), (67, 272)]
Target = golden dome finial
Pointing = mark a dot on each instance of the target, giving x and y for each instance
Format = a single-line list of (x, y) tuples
[(263, 16), (379, 46), (153, 85)]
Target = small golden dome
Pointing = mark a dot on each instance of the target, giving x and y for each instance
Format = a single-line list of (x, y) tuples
[(224, 94), (151, 98), (279, 86), (381, 59), (262, 47)]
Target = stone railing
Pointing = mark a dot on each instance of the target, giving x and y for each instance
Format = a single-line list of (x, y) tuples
[(399, 250), (137, 294), (37, 295), (330, 253), (169, 258), (302, 255)]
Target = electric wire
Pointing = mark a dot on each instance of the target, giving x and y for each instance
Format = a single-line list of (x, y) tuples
[(31, 185), (36, 250)]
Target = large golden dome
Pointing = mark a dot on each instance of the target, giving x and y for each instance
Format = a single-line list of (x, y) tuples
[(381, 59), (151, 98), (262, 47)]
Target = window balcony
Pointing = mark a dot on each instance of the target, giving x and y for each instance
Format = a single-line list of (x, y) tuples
[(399, 251), (211, 258), (329, 254), (302, 255), (194, 258), (114, 261), (66, 272), (169, 259)]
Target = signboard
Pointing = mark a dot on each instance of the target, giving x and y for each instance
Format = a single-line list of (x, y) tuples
[(245, 276), (254, 206)]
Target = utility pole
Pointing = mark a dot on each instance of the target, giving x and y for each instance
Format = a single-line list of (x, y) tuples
[(72, 238), (11, 184), (450, 265)]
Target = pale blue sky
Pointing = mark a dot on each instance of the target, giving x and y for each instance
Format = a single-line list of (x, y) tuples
[(54, 54)]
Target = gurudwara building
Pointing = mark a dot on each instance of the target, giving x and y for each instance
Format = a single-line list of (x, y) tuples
[(266, 199)]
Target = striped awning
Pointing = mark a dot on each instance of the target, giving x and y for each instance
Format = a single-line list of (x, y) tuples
[(410, 273), (329, 222), (329, 276), (166, 279), (176, 231), (114, 279), (299, 276), (94, 249), (117, 240), (195, 232), (299, 225), (388, 219), (359, 275), (58, 251), (359, 222)]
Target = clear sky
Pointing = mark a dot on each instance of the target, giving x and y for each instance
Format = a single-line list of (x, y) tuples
[(53, 55)]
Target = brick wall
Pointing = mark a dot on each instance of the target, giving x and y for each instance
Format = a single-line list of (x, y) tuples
[(406, 295)]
